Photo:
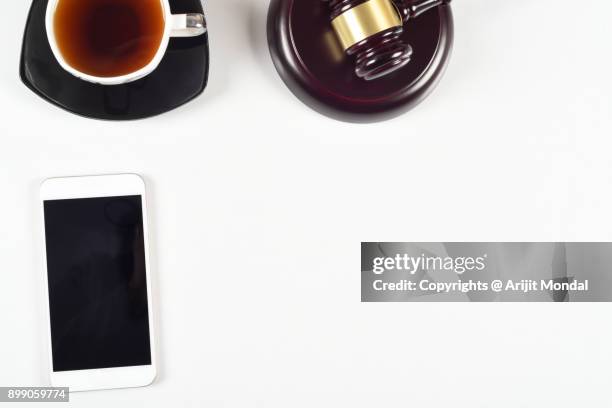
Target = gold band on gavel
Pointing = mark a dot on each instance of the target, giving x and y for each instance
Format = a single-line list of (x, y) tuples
[(365, 20)]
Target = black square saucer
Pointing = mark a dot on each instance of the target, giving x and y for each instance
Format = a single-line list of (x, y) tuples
[(180, 77)]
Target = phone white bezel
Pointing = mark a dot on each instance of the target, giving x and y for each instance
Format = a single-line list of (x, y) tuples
[(88, 187)]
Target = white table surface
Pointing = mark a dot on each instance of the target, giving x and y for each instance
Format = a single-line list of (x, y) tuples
[(259, 205)]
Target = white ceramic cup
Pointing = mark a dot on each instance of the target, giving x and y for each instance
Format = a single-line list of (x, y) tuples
[(175, 25)]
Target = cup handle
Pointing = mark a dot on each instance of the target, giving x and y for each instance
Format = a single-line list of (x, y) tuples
[(188, 25)]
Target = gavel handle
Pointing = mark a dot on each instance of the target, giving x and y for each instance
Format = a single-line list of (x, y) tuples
[(410, 9)]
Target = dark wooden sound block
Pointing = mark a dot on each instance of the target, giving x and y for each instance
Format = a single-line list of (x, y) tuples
[(309, 59)]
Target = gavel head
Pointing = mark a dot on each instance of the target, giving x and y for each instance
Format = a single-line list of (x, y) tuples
[(370, 30)]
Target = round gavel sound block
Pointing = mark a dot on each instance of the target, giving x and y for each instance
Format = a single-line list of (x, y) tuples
[(360, 60)]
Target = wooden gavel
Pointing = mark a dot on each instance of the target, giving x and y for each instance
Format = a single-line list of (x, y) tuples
[(370, 30)]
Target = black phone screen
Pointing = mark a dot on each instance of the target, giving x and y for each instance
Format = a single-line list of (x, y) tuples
[(97, 283)]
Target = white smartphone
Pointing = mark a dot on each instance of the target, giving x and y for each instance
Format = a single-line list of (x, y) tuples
[(98, 282)]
